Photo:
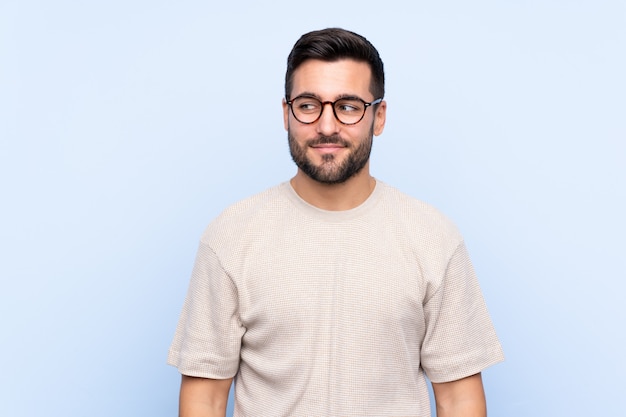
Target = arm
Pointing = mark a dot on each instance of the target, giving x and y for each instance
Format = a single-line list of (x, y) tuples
[(462, 398), (203, 397)]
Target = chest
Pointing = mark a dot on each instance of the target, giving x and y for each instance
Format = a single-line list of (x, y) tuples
[(326, 277)]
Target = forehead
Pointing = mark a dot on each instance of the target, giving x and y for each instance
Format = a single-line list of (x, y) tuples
[(330, 80)]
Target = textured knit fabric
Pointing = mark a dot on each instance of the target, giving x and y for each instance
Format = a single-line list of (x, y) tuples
[(333, 313)]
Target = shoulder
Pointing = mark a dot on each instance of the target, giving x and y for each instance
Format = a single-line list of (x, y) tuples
[(246, 213), (416, 212), (423, 223)]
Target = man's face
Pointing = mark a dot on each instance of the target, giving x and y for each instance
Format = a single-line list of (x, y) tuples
[(328, 151)]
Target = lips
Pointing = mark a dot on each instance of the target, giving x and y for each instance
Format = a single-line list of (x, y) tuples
[(332, 142), (328, 146)]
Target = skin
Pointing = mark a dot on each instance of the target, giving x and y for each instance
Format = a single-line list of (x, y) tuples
[(328, 81), (203, 397), (465, 397)]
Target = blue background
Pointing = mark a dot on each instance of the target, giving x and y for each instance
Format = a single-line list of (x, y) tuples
[(126, 126)]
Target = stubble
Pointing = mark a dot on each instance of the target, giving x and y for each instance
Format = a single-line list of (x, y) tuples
[(330, 170)]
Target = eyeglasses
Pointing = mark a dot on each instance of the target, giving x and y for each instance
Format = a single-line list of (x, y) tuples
[(349, 111)]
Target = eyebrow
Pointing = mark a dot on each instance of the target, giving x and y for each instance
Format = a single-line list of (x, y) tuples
[(339, 97)]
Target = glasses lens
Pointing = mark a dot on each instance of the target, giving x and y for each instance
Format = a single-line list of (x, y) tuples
[(349, 111), (306, 109)]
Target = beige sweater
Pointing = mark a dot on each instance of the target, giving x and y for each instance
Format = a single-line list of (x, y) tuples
[(322, 313)]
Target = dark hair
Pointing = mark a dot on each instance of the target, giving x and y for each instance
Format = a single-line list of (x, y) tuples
[(333, 44)]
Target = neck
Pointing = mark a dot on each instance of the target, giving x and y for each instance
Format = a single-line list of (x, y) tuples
[(335, 197)]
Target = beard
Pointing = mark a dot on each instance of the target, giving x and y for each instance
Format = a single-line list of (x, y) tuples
[(331, 171)]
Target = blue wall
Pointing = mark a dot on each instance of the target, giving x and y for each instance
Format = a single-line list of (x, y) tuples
[(122, 136)]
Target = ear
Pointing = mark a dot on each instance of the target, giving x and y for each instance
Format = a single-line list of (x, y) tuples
[(380, 117), (285, 114)]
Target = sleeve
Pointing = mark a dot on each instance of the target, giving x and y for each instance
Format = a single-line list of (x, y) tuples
[(208, 336), (460, 339)]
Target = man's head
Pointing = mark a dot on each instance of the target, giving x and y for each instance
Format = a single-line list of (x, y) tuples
[(333, 104), (331, 45)]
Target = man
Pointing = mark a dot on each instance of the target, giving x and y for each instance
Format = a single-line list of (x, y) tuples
[(333, 294)]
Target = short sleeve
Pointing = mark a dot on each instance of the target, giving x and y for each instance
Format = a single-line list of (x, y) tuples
[(460, 339), (208, 336)]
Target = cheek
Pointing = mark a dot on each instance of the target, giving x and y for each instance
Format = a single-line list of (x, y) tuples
[(301, 133)]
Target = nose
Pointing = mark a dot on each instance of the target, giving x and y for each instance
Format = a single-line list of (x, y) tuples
[(327, 124)]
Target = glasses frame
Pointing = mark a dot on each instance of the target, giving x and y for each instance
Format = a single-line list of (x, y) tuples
[(332, 106)]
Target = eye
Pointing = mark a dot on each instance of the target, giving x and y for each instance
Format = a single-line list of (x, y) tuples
[(349, 106), (306, 105)]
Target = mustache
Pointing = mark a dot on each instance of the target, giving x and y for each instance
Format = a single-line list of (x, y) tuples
[(326, 140)]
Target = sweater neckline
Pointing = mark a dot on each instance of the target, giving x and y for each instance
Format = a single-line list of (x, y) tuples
[(333, 215)]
